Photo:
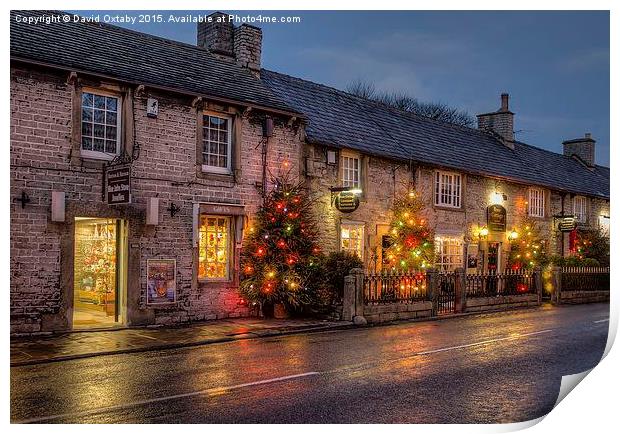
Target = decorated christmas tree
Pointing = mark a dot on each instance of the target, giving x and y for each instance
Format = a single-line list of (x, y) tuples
[(411, 240), (527, 247), (280, 253)]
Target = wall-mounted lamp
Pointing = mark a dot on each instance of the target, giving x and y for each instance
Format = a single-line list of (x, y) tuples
[(513, 235), (484, 231), (498, 198)]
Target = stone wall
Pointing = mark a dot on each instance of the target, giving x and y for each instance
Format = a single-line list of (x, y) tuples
[(481, 304), (397, 311), (578, 297), (43, 160)]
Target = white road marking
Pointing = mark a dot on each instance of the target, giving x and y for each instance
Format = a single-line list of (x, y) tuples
[(163, 398), (601, 320), (458, 347)]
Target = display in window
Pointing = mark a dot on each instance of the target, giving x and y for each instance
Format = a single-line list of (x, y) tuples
[(214, 247)]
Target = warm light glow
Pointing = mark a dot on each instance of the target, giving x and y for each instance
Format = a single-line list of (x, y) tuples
[(497, 198), (484, 231), (356, 191), (514, 235)]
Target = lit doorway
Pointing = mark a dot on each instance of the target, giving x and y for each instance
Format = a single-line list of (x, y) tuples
[(100, 273)]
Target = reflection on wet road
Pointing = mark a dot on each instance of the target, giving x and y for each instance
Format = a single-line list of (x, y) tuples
[(486, 368)]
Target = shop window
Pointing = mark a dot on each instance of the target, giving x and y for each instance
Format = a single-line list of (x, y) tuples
[(448, 189), (580, 206), (536, 202), (214, 248), (101, 125), (350, 171), (448, 253), (216, 144), (352, 238)]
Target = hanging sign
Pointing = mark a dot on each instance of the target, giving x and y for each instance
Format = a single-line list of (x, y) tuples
[(118, 184), (566, 224), (161, 287), (346, 202), (496, 218)]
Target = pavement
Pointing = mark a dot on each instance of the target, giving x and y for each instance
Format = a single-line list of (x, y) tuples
[(74, 345), (485, 368)]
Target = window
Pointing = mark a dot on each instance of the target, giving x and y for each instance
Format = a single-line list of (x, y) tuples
[(214, 247), (350, 171), (580, 209), (603, 224), (448, 189), (536, 203), (101, 126), (352, 238), (448, 253), (216, 144)]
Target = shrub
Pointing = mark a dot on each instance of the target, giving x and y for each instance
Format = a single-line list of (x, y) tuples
[(335, 267)]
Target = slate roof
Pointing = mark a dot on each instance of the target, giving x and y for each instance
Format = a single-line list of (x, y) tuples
[(339, 119), (137, 58)]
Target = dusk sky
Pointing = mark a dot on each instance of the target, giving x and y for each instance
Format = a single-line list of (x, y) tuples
[(555, 65)]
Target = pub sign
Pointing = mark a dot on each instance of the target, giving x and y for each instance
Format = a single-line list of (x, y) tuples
[(496, 218), (566, 224), (347, 202), (118, 184)]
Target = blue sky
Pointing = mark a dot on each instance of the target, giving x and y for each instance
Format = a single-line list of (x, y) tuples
[(555, 65)]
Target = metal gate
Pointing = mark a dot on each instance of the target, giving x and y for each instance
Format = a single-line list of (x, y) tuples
[(446, 294)]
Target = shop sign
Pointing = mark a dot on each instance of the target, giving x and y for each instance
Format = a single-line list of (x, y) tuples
[(346, 201), (566, 224), (161, 287), (496, 218), (118, 184)]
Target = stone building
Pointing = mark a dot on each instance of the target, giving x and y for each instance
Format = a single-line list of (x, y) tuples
[(201, 136), (459, 173), (137, 163)]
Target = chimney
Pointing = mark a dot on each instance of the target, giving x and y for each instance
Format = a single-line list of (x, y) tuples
[(500, 122), (216, 34), (247, 47), (242, 44), (583, 148)]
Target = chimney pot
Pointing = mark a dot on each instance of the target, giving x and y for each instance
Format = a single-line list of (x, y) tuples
[(505, 98), (588, 135)]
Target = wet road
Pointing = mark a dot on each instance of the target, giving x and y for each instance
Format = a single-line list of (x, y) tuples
[(487, 368)]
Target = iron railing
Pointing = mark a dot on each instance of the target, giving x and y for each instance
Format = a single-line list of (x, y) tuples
[(585, 279), (510, 282), (446, 293), (394, 287)]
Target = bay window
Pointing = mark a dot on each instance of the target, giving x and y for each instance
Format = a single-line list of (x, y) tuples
[(448, 189), (214, 248)]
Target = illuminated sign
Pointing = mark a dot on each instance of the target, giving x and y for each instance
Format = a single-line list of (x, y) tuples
[(346, 201), (566, 224), (496, 218)]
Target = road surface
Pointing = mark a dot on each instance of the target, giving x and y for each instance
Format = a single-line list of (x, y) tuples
[(488, 368)]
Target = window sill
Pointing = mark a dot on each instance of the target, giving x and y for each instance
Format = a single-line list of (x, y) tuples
[(97, 156), (214, 176), (448, 208), (215, 283)]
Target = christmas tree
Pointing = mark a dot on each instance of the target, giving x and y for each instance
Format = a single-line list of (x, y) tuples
[(411, 240), (527, 247), (280, 254)]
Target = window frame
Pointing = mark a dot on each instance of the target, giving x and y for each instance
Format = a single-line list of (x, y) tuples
[(102, 155), (456, 195), (204, 167), (540, 207), (439, 262), (582, 216), (228, 248), (356, 225), (347, 182)]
